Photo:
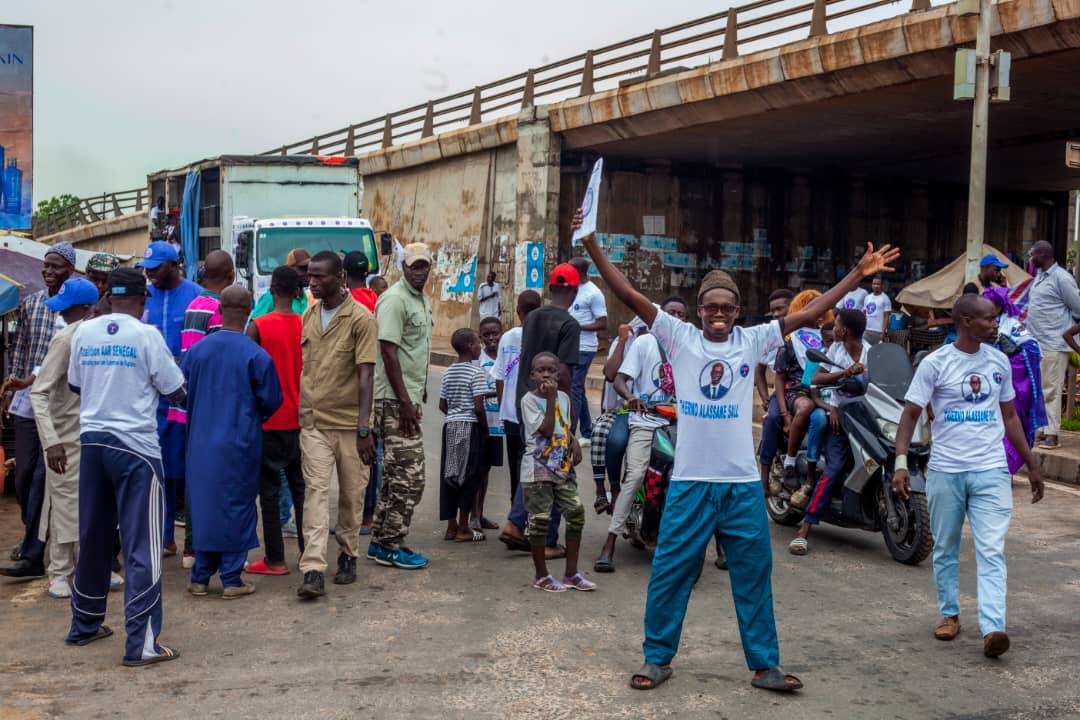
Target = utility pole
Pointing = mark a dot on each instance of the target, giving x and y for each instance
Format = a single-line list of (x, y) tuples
[(980, 120)]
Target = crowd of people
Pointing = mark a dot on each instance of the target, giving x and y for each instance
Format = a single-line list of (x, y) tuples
[(141, 398)]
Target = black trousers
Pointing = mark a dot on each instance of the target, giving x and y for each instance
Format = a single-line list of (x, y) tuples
[(515, 448), (30, 485), (280, 453)]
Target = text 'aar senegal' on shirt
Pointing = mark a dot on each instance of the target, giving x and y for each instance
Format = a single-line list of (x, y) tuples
[(121, 366)]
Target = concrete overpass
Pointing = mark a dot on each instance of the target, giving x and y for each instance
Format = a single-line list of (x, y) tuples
[(778, 164), (729, 141)]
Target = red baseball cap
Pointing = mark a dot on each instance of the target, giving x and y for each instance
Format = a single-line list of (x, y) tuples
[(565, 275)]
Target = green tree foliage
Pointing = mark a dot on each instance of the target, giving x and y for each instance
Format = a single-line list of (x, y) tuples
[(55, 207)]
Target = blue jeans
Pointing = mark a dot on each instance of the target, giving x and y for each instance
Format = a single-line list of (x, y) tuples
[(371, 495), (819, 424), (837, 452), (693, 513), (577, 392), (770, 433), (618, 438), (284, 499), (985, 496), (519, 516)]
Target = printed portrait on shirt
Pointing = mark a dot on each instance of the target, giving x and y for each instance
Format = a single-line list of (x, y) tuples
[(715, 379), (849, 303), (870, 307), (975, 387)]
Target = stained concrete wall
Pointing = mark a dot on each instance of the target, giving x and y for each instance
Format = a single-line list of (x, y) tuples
[(123, 235), (474, 203), (809, 228)]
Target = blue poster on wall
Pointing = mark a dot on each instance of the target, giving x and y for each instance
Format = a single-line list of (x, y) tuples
[(16, 126), (534, 266), (466, 279)]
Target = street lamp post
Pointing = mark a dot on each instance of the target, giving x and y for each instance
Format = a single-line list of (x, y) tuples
[(980, 120)]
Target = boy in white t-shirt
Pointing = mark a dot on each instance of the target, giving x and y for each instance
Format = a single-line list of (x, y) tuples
[(713, 491), (969, 385), (848, 354)]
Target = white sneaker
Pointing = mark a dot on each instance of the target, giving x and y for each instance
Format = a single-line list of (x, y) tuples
[(585, 443), (116, 581), (187, 562), (59, 588)]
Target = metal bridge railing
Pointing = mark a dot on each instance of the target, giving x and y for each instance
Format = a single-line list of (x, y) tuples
[(747, 28), (93, 209), (751, 27)]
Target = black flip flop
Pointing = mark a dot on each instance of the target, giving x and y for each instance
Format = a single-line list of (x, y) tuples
[(601, 505), (513, 543), (166, 654), (603, 564), (656, 674), (777, 681), (102, 632), (487, 524)]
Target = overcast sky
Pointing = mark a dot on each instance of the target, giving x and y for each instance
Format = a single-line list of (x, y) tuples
[(125, 87)]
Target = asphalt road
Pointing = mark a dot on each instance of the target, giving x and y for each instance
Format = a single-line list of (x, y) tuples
[(469, 638)]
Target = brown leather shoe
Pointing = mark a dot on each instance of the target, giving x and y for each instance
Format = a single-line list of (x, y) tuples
[(995, 644), (947, 628)]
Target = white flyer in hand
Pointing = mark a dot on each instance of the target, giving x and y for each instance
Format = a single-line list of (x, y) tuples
[(590, 204)]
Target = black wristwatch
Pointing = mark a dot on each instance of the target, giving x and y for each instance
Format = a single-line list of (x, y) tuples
[(363, 432)]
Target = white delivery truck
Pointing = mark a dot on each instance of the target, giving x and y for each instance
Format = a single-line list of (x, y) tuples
[(259, 207)]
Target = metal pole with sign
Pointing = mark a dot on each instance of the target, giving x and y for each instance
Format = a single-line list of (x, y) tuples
[(979, 74)]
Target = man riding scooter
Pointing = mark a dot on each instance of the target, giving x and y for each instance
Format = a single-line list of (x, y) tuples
[(644, 376), (848, 331)]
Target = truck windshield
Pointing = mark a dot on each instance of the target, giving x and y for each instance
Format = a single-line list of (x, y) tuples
[(272, 245)]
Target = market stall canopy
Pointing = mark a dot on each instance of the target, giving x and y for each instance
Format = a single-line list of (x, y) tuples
[(23, 272), (940, 290), (9, 294)]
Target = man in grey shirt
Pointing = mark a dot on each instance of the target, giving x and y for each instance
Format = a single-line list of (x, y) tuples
[(1053, 303)]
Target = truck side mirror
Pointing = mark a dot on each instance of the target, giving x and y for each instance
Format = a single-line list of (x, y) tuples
[(243, 249), (386, 241)]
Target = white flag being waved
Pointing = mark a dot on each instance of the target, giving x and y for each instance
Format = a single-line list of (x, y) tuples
[(590, 203)]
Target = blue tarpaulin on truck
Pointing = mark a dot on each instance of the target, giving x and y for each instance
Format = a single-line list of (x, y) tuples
[(189, 222)]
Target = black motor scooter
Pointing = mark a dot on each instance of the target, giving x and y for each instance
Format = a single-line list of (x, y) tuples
[(870, 417)]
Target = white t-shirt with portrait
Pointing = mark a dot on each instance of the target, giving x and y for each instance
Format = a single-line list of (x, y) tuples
[(715, 441), (507, 358), (491, 403), (839, 355), (965, 390), (875, 307), (589, 306), (121, 367), (854, 300), (642, 363)]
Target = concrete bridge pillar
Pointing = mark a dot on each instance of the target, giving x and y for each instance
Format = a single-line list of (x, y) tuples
[(538, 170)]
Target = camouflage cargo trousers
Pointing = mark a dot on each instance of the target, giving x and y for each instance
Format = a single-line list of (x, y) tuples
[(402, 476)]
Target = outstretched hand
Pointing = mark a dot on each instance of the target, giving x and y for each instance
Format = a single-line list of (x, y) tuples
[(877, 261)]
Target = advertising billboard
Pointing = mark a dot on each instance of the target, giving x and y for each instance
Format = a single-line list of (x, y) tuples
[(16, 126)]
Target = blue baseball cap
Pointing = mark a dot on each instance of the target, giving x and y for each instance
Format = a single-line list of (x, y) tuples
[(156, 253), (992, 259), (76, 291)]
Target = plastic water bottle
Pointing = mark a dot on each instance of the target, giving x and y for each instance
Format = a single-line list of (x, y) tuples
[(12, 188)]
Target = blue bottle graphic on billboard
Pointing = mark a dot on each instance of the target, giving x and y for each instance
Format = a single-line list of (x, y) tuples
[(12, 188)]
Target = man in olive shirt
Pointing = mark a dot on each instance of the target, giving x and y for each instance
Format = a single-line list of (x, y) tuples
[(335, 403), (403, 315)]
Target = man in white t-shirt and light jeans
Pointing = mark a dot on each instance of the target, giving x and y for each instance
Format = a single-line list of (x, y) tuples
[(969, 385), (590, 310), (120, 368), (710, 491)]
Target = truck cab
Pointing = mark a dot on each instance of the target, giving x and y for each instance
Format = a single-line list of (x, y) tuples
[(262, 244)]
